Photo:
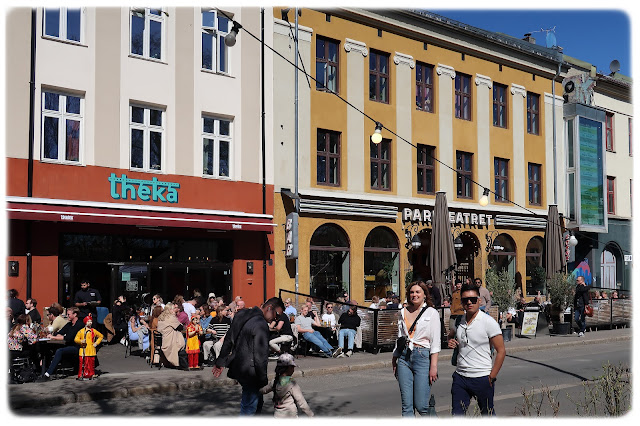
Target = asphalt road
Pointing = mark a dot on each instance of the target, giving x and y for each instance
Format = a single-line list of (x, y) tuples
[(375, 393)]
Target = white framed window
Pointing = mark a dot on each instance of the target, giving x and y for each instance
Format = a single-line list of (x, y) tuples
[(147, 32), (217, 138), (62, 127), (215, 54), (64, 23), (147, 137)]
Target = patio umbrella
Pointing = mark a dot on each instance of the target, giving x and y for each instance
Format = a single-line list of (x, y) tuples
[(553, 245), (442, 257)]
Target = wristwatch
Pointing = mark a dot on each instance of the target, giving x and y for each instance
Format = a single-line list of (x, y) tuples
[(492, 380)]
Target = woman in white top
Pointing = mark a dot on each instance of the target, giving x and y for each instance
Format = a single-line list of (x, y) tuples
[(416, 366)]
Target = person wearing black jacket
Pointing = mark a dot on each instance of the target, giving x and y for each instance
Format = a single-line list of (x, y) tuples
[(349, 323), (68, 334), (245, 352), (580, 300), (435, 294)]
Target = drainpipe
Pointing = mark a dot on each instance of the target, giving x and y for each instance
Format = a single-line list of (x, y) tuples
[(297, 200), (32, 95), (264, 187)]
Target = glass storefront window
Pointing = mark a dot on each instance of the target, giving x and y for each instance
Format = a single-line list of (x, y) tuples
[(505, 259), (329, 262), (381, 263), (536, 274)]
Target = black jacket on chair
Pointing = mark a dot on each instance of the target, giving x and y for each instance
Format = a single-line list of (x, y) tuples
[(245, 350)]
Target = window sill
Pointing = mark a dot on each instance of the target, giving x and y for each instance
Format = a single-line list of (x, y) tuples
[(217, 177), (158, 172), (464, 119), (611, 151), (222, 74), (64, 41), (328, 185), (418, 193), (329, 91), (533, 134), (61, 163), (501, 127), (424, 110), (380, 102), (144, 58)]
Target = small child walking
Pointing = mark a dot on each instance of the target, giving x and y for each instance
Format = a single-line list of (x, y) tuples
[(287, 395), (194, 331)]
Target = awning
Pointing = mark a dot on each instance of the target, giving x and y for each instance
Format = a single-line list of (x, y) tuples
[(133, 214)]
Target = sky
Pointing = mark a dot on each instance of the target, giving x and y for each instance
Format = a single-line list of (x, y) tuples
[(594, 36)]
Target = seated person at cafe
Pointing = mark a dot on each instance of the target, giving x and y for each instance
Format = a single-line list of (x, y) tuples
[(21, 337), (32, 311), (173, 341), (289, 309), (394, 303), (604, 295), (182, 316), (138, 330), (68, 334), (305, 329), (614, 294), (374, 302), (205, 318), (218, 328), (280, 329), (312, 305), (329, 317), (349, 323), (55, 317), (513, 318)]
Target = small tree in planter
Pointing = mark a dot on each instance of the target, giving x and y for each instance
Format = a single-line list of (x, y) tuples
[(501, 285), (560, 289)]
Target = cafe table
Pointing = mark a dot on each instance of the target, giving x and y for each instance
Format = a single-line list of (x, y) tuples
[(47, 347)]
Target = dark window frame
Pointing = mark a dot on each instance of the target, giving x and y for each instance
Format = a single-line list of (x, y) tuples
[(425, 162), (380, 162), (422, 104), (464, 174), (498, 178), (630, 139), (378, 74), (325, 60), (533, 114), (608, 121), (328, 155), (611, 195), (497, 105), (535, 183), (460, 95)]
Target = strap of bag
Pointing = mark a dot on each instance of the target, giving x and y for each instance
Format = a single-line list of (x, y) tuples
[(416, 320)]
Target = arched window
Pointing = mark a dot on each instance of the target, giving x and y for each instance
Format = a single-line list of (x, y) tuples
[(611, 266), (536, 274), (381, 263), (329, 262), (505, 258), (466, 256)]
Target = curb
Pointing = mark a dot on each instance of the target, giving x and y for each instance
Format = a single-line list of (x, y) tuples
[(207, 384)]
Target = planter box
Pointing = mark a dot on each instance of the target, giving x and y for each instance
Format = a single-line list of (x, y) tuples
[(561, 327), (507, 334)]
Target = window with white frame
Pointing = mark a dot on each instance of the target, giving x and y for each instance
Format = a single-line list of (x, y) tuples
[(63, 23), (147, 134), (215, 54), (61, 126), (216, 146), (147, 32)]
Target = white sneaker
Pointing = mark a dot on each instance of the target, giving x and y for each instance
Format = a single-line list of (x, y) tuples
[(349, 353), (340, 356), (337, 352), (581, 334)]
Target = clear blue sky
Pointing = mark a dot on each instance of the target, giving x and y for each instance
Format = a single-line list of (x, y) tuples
[(594, 36)]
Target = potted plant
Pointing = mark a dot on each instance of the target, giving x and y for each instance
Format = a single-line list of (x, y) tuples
[(560, 289), (501, 285)]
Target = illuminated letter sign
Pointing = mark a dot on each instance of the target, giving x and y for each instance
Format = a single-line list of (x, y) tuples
[(291, 236)]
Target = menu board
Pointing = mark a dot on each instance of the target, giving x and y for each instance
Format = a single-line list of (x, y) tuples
[(529, 324), (592, 208)]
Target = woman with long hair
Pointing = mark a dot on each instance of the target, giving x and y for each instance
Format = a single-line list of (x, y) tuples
[(415, 363), (20, 336), (172, 337)]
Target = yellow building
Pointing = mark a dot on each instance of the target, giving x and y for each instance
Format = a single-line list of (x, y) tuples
[(479, 102)]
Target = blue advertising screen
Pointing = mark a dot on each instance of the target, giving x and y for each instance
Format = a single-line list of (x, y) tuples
[(592, 208)]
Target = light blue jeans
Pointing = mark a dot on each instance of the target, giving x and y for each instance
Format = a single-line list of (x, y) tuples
[(317, 339), (350, 333), (413, 378), (251, 401)]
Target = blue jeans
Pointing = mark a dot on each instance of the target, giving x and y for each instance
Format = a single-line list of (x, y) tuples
[(413, 378), (351, 334), (581, 321), (251, 401), (67, 350), (317, 339), (463, 388)]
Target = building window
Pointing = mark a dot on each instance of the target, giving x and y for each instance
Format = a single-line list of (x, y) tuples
[(535, 184), (630, 144), (329, 262), (328, 157), (64, 23), (216, 146), (501, 179), (611, 195), (379, 76), (147, 32), (327, 56), (533, 113), (62, 127), (215, 54), (381, 263), (464, 161), (499, 105), (463, 96), (147, 133), (426, 169), (609, 125), (381, 165), (424, 87)]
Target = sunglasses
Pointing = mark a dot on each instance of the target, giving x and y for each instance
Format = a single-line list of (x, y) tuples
[(466, 300)]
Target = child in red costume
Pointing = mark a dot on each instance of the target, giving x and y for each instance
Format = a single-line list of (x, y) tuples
[(88, 339), (194, 331)]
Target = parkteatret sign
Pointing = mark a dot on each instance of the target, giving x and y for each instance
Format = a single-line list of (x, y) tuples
[(423, 216)]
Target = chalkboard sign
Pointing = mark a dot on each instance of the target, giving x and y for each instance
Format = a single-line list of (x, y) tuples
[(529, 324)]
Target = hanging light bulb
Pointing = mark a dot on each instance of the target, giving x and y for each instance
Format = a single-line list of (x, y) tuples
[(484, 200), (230, 39), (376, 137), (573, 241)]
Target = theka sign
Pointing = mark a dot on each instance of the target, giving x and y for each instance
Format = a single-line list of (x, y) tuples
[(124, 188)]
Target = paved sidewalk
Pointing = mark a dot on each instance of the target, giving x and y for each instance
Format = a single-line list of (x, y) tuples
[(132, 376)]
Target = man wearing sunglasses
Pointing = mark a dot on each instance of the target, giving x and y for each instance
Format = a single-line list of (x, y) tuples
[(475, 375)]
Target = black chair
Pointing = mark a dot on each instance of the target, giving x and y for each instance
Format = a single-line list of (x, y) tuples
[(127, 344), (157, 350)]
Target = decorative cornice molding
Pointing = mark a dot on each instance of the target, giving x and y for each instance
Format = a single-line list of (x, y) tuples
[(516, 89), (548, 99), (483, 79), (356, 46), (284, 28), (401, 58), (446, 70)]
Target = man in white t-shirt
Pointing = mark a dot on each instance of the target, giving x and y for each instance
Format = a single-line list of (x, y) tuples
[(329, 317), (475, 376)]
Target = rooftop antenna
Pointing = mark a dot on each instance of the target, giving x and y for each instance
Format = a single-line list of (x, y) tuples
[(550, 37)]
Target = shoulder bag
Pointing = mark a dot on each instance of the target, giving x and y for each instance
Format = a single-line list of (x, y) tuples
[(401, 343), (588, 309)]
